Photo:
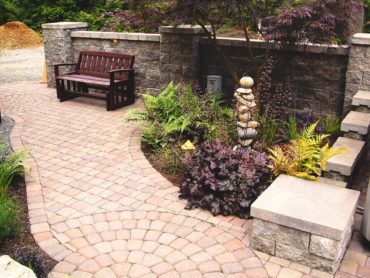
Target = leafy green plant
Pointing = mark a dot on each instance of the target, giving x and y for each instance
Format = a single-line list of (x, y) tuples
[(12, 165), (224, 180), (304, 157), (291, 129), (267, 131), (177, 113), (10, 219), (330, 125)]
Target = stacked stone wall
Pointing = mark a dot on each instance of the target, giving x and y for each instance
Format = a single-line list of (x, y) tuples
[(358, 74), (182, 54), (316, 251), (146, 49), (318, 73)]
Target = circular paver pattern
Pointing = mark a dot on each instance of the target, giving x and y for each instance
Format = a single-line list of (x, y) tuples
[(98, 207)]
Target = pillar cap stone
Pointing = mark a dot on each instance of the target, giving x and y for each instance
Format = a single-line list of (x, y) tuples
[(361, 38), (183, 29), (313, 207), (64, 25)]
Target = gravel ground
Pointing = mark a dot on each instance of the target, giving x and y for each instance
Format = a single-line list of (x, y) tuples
[(21, 64)]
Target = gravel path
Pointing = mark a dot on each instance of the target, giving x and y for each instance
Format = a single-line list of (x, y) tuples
[(21, 64)]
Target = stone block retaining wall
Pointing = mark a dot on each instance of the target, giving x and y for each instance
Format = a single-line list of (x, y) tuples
[(182, 54), (318, 72), (358, 74), (145, 47)]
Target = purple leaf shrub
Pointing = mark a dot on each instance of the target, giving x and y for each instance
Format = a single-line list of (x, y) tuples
[(224, 180), (323, 21)]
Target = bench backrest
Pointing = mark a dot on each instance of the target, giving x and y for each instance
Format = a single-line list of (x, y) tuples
[(100, 63)]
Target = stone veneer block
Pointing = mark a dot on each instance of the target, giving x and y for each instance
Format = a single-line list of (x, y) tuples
[(345, 163), (304, 221), (361, 98), (299, 256), (358, 122), (293, 237), (263, 244), (308, 206)]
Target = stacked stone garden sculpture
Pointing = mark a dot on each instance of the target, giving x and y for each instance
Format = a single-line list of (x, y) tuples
[(246, 126)]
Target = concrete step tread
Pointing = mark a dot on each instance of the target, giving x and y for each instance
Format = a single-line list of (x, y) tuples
[(345, 163), (332, 182), (358, 122), (361, 98)]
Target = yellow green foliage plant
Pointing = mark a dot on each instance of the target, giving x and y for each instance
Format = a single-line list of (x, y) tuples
[(304, 157)]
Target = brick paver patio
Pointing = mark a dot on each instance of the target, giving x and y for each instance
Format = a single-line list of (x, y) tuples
[(98, 207)]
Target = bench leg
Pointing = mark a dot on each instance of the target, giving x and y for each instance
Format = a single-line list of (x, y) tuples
[(109, 101), (131, 92), (61, 92)]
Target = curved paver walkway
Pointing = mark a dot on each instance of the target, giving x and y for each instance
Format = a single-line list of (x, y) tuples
[(98, 207)]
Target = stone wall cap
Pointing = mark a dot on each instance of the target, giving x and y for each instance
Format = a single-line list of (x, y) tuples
[(183, 29), (116, 36), (309, 48), (309, 206), (64, 25), (361, 38)]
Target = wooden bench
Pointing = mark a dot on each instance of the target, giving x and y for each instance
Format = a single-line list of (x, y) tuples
[(110, 75)]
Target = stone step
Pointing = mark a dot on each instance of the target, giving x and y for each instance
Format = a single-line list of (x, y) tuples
[(357, 122), (344, 164), (332, 182), (361, 98)]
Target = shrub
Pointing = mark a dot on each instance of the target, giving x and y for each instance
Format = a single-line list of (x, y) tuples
[(322, 21), (10, 218), (275, 88), (267, 131), (177, 115), (31, 257), (12, 165), (224, 180), (304, 157), (330, 125), (291, 129)]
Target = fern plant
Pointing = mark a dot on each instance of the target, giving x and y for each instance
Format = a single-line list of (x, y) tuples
[(304, 157), (178, 114)]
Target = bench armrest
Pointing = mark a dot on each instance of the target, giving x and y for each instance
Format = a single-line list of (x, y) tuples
[(113, 72), (56, 67)]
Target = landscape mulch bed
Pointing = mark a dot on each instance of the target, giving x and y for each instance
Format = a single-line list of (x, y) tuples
[(23, 246), (175, 178)]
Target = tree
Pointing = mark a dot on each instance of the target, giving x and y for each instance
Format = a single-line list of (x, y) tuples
[(8, 11), (321, 21)]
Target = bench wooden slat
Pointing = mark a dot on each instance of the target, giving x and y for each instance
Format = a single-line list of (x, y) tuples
[(87, 79)]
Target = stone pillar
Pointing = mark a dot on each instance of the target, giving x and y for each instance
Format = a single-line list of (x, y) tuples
[(179, 53), (358, 71), (58, 45)]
